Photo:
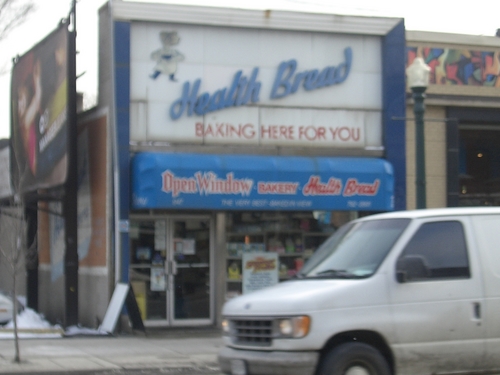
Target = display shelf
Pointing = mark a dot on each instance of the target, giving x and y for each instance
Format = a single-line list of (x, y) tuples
[(284, 255), (290, 255), (294, 237)]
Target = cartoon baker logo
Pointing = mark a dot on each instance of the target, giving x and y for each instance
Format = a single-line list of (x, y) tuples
[(167, 56)]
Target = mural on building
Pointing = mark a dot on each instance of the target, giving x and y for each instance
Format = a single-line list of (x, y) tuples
[(459, 66), (92, 207)]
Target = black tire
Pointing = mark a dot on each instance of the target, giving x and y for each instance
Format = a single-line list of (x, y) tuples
[(354, 359)]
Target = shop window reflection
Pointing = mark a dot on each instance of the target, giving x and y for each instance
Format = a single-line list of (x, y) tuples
[(294, 236)]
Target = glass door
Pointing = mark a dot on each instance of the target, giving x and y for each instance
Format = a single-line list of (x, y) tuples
[(190, 274), (170, 270)]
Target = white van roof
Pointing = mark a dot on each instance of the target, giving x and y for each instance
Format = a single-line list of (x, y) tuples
[(435, 212)]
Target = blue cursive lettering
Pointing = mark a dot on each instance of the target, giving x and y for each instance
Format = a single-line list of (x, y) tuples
[(310, 79), (241, 91), (244, 90), (187, 99)]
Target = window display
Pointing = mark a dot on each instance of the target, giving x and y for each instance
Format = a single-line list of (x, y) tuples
[(293, 236)]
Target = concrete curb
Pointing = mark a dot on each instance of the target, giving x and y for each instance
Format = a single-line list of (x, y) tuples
[(30, 333)]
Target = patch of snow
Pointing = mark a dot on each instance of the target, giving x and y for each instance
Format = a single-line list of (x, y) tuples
[(29, 318), (78, 330), (33, 325)]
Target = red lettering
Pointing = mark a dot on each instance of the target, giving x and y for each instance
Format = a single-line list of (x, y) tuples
[(308, 132), (219, 130), (353, 187), (356, 134), (345, 134), (224, 130), (315, 187), (176, 185), (276, 132), (208, 130), (321, 133), (248, 131), (199, 129), (263, 130)]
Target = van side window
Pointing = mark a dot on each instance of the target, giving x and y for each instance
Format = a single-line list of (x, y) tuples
[(436, 251)]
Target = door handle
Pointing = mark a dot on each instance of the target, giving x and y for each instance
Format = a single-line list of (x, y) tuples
[(476, 306), (172, 267)]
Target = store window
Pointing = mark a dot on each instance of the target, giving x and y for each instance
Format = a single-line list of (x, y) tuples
[(268, 247), (479, 165)]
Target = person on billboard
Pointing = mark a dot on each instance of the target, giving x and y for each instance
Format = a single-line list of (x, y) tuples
[(29, 98), (39, 112)]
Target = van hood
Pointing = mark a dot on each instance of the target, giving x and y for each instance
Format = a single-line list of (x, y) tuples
[(309, 295)]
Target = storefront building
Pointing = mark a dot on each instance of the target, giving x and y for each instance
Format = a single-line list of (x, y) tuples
[(241, 141), (462, 119), (227, 142)]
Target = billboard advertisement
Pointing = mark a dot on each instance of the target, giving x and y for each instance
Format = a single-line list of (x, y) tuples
[(39, 113)]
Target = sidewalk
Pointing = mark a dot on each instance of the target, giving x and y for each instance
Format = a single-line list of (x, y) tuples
[(167, 348)]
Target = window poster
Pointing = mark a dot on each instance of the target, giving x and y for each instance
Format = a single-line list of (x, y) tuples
[(158, 282), (185, 246), (189, 246), (160, 235), (260, 270)]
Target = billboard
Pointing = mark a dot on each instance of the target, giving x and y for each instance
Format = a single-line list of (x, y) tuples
[(39, 113)]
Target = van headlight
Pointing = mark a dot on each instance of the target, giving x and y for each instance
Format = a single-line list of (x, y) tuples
[(294, 327), (225, 327)]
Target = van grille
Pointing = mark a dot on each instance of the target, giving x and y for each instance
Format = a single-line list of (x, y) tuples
[(254, 332)]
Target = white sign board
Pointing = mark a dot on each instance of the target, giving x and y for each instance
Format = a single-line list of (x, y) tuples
[(214, 85), (115, 307), (260, 270)]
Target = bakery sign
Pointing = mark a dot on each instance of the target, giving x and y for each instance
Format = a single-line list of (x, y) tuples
[(235, 182), (244, 90), (189, 89)]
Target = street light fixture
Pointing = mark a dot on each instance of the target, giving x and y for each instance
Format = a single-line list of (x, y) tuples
[(418, 80)]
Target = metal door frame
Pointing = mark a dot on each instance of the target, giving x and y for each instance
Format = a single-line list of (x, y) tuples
[(170, 321)]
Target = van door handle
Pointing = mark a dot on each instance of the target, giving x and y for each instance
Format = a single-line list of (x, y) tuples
[(477, 310)]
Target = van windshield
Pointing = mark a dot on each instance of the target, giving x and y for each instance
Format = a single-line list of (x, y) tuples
[(355, 250)]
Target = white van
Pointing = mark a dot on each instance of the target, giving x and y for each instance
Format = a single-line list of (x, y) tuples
[(407, 293)]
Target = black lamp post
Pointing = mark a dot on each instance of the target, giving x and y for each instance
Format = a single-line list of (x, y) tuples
[(418, 80)]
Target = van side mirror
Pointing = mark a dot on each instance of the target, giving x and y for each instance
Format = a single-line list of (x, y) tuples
[(411, 267)]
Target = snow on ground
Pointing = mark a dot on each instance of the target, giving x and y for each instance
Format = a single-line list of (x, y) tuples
[(31, 324), (30, 319)]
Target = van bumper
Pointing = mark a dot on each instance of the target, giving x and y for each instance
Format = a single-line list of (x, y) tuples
[(265, 363)]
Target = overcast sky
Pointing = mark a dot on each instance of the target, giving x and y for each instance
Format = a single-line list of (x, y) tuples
[(476, 18)]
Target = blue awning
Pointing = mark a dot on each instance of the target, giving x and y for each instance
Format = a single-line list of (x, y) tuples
[(250, 182)]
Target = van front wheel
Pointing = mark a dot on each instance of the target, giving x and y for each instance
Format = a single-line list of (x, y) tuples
[(354, 359)]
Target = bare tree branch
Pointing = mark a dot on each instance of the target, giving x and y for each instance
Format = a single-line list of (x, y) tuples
[(12, 14)]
